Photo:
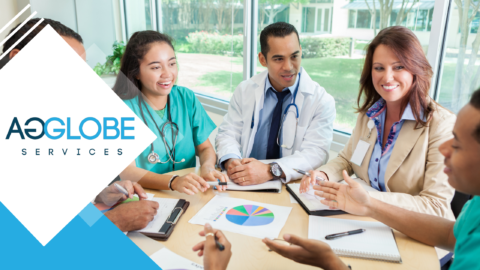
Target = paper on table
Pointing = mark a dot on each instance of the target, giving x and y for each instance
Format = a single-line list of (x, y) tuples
[(167, 259), (261, 223), (165, 209), (149, 196), (309, 199)]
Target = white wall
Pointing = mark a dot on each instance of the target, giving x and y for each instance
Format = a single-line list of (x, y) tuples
[(8, 10)]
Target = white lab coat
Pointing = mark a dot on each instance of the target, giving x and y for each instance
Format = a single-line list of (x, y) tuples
[(314, 132)]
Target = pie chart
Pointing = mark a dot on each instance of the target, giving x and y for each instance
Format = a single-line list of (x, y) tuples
[(250, 215)]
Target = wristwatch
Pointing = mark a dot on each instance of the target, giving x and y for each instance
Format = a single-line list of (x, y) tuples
[(276, 170)]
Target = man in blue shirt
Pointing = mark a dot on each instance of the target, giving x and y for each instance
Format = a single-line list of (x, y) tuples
[(462, 160), (280, 115)]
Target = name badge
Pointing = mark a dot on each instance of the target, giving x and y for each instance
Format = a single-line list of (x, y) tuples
[(360, 152)]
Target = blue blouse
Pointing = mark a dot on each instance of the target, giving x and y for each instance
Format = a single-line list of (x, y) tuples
[(381, 157)]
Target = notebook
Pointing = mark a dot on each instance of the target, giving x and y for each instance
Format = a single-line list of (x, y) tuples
[(376, 243)]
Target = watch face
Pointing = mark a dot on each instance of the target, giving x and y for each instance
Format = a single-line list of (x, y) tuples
[(276, 170)]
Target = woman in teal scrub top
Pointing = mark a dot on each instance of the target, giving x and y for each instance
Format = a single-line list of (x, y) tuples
[(146, 83)]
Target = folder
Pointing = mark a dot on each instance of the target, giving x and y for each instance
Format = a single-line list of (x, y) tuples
[(308, 207), (162, 226)]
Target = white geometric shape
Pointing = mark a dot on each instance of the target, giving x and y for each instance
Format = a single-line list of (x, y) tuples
[(48, 79)]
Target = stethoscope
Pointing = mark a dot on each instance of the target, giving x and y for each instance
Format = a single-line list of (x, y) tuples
[(154, 157), (285, 113)]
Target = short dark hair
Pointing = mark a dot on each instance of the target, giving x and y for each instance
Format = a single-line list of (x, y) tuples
[(127, 86), (278, 29), (61, 29), (475, 102)]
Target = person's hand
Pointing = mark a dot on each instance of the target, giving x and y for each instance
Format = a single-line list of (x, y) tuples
[(306, 251), (251, 172), (230, 164), (351, 198), (213, 258), (190, 184), (111, 195), (210, 174), (307, 180), (133, 215)]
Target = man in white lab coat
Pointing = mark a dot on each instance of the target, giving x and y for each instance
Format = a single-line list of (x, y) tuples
[(279, 115)]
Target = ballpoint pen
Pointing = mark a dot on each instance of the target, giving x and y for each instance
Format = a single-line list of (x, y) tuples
[(308, 174), (219, 245), (336, 235), (121, 189), (212, 184)]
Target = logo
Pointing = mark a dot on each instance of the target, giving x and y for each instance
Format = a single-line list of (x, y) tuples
[(64, 134), (59, 128)]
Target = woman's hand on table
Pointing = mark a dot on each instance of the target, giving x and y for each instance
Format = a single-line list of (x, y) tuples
[(307, 180), (306, 251), (190, 184), (111, 195), (208, 173), (213, 257), (351, 198)]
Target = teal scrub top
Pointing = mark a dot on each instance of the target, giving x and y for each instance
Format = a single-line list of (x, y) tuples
[(467, 233), (194, 126)]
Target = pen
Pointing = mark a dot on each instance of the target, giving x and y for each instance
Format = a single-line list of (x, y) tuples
[(212, 184), (121, 189), (308, 174), (219, 245), (336, 235)]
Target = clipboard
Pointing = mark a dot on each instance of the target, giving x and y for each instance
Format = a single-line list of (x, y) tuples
[(322, 213), (166, 230)]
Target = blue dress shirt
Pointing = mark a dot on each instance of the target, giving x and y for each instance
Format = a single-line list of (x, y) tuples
[(259, 149), (381, 157)]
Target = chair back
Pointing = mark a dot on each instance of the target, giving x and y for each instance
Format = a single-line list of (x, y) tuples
[(459, 200)]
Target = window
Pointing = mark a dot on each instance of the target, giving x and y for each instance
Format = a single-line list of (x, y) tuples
[(308, 20), (327, 21), (319, 19), (460, 74), (352, 18), (137, 13), (364, 19), (208, 43)]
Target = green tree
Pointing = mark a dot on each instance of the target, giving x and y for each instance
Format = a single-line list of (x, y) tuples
[(385, 11)]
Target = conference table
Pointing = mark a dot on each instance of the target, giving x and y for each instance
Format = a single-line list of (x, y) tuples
[(251, 253)]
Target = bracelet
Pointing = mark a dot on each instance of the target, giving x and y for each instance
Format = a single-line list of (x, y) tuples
[(170, 182)]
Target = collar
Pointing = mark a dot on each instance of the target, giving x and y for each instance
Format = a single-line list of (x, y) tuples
[(291, 88), (379, 107)]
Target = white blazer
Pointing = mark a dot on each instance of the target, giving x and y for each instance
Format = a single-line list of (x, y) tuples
[(314, 132)]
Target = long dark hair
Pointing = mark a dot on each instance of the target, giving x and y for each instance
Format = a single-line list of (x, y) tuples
[(408, 50), (127, 86)]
